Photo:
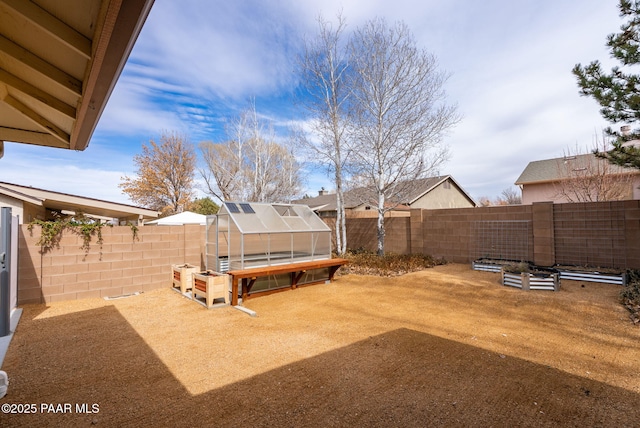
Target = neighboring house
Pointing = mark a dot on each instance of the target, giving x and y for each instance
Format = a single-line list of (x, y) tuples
[(430, 193), (30, 203), (579, 178)]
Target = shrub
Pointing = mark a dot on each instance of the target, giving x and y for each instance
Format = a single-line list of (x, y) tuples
[(630, 296), (368, 263)]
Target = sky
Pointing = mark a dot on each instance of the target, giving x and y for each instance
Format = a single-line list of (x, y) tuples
[(197, 63)]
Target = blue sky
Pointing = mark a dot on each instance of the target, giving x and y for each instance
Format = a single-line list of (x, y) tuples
[(198, 62)]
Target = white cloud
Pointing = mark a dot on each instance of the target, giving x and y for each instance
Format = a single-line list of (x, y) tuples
[(59, 171), (197, 62)]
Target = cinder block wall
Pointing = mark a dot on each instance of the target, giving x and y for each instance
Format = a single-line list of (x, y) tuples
[(447, 233), (122, 265), (604, 234), (362, 233), (595, 234)]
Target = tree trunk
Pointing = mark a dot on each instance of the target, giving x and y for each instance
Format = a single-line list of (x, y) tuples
[(341, 222), (381, 223)]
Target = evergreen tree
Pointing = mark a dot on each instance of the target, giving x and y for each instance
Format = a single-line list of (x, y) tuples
[(204, 206), (618, 93)]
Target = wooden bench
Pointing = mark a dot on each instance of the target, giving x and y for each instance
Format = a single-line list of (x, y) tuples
[(249, 276)]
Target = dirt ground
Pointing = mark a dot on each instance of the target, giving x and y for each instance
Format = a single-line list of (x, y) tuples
[(447, 346)]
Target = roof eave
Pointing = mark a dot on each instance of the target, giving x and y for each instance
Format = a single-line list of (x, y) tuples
[(122, 25)]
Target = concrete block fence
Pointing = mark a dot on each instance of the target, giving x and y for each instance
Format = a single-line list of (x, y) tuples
[(121, 265), (597, 234)]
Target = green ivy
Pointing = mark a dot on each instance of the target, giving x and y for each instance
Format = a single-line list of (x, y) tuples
[(51, 230), (134, 230)]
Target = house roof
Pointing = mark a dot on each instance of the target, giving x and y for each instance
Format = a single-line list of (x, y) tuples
[(185, 217), (60, 60), (550, 170), (329, 202), (64, 201), (424, 186), (428, 184)]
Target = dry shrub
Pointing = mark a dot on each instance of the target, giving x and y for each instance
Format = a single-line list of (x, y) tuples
[(363, 262), (630, 296)]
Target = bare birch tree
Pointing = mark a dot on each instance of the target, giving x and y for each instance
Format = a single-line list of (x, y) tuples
[(224, 171), (271, 168), (251, 166), (221, 173), (164, 180), (325, 97), (399, 116)]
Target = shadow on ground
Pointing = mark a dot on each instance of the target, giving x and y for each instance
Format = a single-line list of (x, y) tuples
[(417, 380)]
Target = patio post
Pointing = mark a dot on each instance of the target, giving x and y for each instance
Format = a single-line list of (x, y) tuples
[(5, 265)]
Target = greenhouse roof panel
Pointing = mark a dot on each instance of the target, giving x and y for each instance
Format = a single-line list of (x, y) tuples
[(262, 218)]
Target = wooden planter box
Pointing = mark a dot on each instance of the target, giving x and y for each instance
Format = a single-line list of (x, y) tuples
[(212, 285), (531, 281), (182, 276)]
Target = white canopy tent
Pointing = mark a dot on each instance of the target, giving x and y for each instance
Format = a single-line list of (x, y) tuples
[(185, 217)]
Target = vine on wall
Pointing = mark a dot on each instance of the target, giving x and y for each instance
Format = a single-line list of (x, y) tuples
[(51, 230)]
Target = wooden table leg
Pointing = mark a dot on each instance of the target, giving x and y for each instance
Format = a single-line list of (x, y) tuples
[(234, 290), (245, 289)]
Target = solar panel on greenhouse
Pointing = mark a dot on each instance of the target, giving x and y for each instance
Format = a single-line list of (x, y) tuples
[(247, 209), (233, 208)]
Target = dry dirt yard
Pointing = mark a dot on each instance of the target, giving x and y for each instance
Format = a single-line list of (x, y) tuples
[(447, 346)]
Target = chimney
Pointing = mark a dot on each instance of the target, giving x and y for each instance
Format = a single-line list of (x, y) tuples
[(322, 192)]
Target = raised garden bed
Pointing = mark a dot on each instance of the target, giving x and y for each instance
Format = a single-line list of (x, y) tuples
[(211, 285), (486, 266), (606, 276), (182, 276), (492, 265), (526, 277)]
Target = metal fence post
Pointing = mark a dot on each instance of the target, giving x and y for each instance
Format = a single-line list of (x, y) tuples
[(5, 266)]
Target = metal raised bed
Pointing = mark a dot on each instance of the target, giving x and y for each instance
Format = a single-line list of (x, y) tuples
[(486, 267), (531, 281), (607, 278)]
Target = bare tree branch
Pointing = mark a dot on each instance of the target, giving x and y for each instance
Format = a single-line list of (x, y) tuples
[(324, 69), (398, 114)]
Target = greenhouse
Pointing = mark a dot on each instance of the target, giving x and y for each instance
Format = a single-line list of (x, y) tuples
[(250, 235)]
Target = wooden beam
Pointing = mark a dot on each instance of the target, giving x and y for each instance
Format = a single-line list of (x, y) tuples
[(31, 137), (123, 21), (37, 94), (52, 25), (41, 122), (34, 62)]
